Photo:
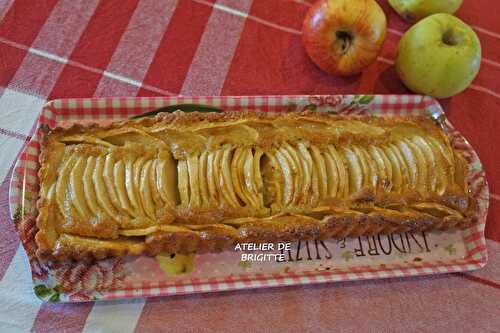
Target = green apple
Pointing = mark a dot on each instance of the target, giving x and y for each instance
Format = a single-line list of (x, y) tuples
[(439, 56), (412, 10)]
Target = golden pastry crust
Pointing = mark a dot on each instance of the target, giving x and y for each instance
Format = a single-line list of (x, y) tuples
[(198, 182)]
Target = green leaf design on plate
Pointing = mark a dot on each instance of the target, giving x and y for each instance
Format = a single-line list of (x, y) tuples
[(45, 293), (365, 99), (41, 291), (310, 107), (16, 218), (179, 107), (55, 298)]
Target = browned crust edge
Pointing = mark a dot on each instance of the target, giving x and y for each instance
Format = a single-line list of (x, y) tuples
[(187, 118), (292, 227), (44, 249)]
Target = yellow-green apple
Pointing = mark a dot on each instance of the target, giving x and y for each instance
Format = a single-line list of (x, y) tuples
[(439, 56), (412, 10), (344, 36)]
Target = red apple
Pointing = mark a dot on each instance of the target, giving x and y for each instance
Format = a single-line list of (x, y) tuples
[(342, 37)]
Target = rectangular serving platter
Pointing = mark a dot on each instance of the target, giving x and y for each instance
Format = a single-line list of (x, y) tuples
[(374, 257)]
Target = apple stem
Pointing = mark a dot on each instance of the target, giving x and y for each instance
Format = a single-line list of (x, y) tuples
[(450, 38), (345, 38)]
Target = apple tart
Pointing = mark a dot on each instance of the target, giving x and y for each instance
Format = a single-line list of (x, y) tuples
[(197, 182)]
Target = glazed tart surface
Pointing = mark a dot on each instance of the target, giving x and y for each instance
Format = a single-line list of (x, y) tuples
[(197, 182)]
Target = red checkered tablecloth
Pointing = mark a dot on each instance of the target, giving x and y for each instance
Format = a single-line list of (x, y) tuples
[(83, 48)]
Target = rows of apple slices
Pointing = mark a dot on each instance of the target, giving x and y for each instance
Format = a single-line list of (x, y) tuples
[(134, 187), (431, 165), (305, 174), (121, 189), (227, 176), (413, 163)]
